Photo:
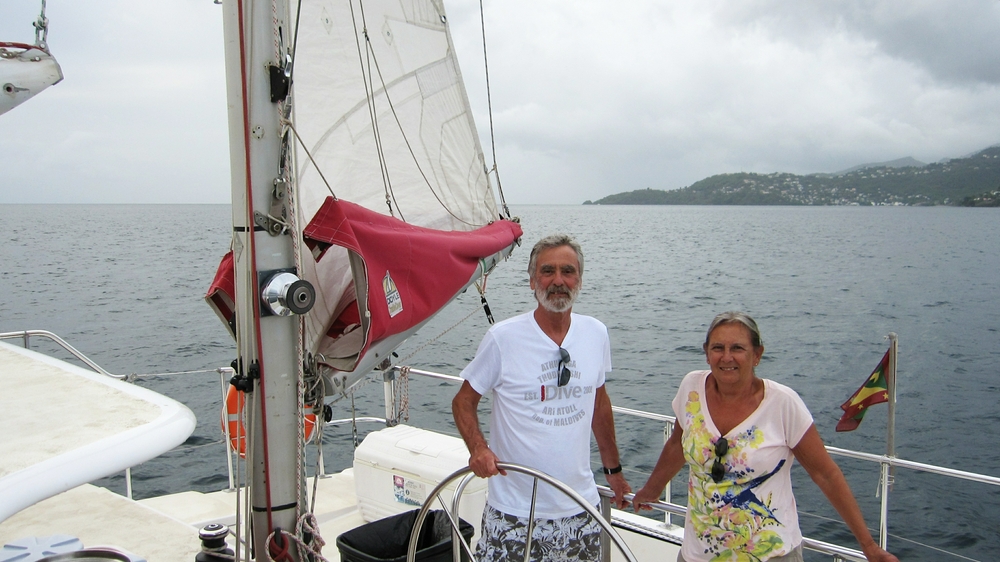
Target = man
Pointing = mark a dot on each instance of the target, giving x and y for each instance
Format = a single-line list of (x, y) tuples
[(546, 370)]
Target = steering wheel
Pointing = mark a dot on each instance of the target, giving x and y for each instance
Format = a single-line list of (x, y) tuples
[(467, 475)]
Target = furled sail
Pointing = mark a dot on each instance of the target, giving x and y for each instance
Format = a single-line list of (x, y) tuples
[(382, 121), (402, 273)]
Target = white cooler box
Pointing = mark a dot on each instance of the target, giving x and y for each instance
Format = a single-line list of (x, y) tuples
[(397, 468)]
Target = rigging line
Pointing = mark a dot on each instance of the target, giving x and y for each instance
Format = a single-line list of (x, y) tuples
[(934, 548), (437, 337), (413, 155), (893, 535), (300, 450), (374, 116), (390, 195), (489, 105), (319, 390), (369, 93), (315, 164), (366, 73), (285, 166), (373, 113), (295, 41), (296, 238)]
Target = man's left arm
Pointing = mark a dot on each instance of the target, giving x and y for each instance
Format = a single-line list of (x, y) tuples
[(603, 426)]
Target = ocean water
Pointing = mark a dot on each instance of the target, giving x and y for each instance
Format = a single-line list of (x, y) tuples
[(124, 284)]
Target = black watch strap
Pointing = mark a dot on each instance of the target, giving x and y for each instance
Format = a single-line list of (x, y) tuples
[(614, 470)]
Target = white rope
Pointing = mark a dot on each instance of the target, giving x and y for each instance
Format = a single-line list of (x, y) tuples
[(309, 524), (403, 395), (305, 523)]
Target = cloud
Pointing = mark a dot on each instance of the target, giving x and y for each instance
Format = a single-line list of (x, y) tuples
[(140, 116), (587, 101), (953, 41), (663, 94)]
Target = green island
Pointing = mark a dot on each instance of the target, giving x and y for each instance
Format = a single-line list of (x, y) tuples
[(972, 181)]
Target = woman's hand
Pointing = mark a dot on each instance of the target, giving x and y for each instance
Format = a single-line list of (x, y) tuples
[(875, 553), (644, 497)]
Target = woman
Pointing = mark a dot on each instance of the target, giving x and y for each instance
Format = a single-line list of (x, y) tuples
[(738, 434)]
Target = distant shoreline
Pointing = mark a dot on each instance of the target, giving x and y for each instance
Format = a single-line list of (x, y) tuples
[(973, 181)]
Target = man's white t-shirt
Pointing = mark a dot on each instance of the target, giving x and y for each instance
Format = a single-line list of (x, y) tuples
[(533, 421)]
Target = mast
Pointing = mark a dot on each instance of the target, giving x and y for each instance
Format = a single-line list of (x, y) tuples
[(268, 341)]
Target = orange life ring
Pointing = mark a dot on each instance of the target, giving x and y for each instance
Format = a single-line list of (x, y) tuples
[(232, 414)]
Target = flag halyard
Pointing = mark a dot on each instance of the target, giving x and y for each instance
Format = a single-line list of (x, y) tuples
[(875, 390)]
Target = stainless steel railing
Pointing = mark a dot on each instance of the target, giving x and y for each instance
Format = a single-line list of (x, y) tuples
[(668, 508), (390, 378), (26, 336)]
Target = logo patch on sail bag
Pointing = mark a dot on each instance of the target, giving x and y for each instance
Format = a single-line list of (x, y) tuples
[(392, 298)]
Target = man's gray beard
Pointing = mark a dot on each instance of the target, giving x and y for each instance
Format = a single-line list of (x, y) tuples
[(561, 303)]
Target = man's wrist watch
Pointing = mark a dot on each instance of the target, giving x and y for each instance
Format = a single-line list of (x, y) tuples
[(610, 471)]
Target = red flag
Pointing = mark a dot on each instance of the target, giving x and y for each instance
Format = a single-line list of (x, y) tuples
[(874, 391)]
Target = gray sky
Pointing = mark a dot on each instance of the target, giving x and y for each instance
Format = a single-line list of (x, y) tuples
[(590, 97)]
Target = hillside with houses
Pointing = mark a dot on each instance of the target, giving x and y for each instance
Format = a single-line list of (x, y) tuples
[(970, 181)]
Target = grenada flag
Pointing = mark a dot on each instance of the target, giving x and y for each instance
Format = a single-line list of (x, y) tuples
[(874, 391)]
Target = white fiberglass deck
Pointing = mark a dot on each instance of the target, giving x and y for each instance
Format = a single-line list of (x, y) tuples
[(64, 426), (165, 528)]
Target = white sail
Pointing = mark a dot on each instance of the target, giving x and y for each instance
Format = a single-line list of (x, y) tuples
[(379, 118), (422, 156)]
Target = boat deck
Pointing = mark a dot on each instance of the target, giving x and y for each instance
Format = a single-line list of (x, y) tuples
[(99, 517), (165, 528), (114, 426)]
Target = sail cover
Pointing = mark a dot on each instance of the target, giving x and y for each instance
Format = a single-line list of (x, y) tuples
[(222, 292), (405, 274), (382, 120)]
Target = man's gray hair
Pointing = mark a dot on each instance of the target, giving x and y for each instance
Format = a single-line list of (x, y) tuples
[(734, 317), (554, 241)]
